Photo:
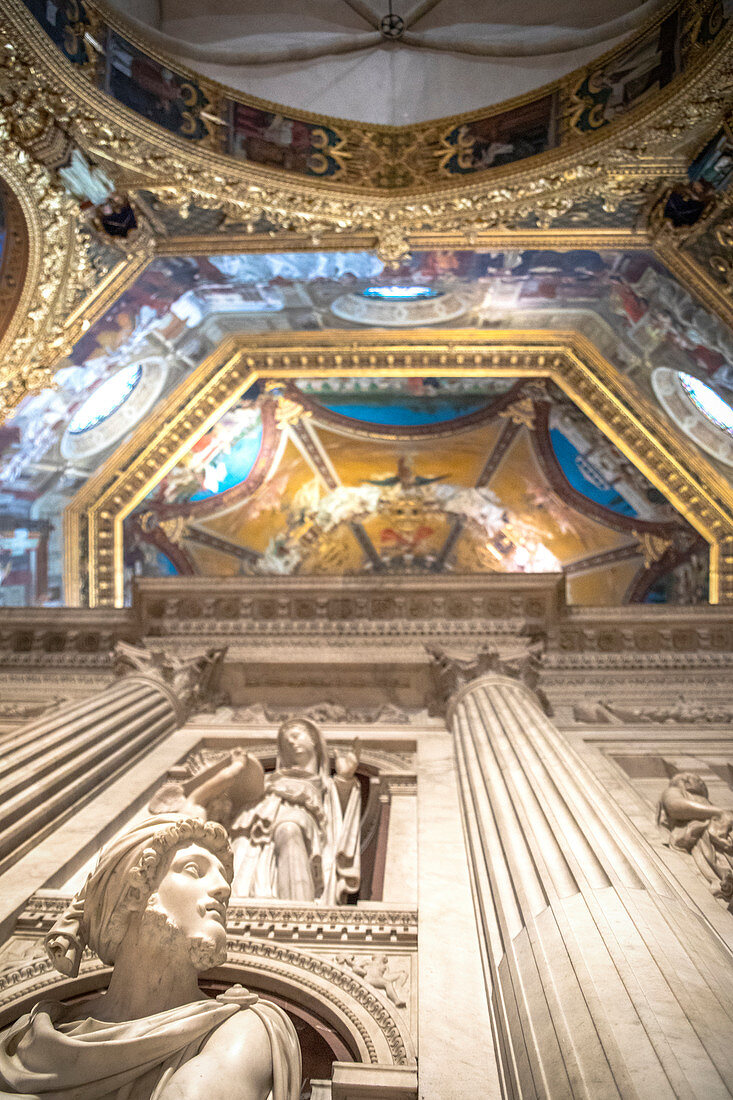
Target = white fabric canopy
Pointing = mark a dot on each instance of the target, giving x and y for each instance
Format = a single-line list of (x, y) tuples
[(328, 56)]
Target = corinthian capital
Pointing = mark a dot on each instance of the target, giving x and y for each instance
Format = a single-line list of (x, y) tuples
[(191, 683), (451, 674)]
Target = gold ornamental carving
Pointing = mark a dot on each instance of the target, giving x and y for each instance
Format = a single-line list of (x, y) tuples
[(45, 101)]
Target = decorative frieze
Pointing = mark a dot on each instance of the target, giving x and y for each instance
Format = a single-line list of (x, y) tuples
[(611, 714), (311, 926)]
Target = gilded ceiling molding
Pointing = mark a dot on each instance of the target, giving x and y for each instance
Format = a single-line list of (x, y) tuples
[(93, 522), (205, 113), (60, 289), (622, 159), (227, 244), (39, 330), (45, 99)]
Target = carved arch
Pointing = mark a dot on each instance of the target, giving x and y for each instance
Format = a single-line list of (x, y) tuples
[(363, 1019), (45, 271)]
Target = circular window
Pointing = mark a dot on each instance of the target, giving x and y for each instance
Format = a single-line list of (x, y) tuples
[(114, 408), (400, 293), (106, 399), (698, 410)]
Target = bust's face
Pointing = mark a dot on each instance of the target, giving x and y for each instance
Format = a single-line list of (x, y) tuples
[(193, 893)]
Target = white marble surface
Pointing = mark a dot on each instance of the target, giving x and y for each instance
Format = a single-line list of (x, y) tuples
[(456, 1048), (400, 874)]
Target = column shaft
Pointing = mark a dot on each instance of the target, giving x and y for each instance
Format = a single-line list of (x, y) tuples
[(49, 765), (605, 980)]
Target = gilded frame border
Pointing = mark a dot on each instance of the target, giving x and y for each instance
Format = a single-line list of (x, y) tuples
[(93, 522)]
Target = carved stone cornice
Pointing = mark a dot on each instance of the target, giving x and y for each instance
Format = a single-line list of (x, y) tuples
[(287, 923)]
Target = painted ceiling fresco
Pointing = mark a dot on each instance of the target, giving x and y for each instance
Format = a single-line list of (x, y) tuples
[(381, 441), (354, 475)]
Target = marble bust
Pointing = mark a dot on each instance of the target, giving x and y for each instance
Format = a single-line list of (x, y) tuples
[(154, 907)]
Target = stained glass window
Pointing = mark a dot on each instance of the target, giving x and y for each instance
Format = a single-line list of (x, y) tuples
[(718, 411), (400, 293), (106, 399)]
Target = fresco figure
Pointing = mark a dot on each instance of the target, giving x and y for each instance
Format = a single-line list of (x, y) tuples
[(155, 909)]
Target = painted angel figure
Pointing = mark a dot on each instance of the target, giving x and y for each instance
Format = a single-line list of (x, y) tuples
[(300, 840)]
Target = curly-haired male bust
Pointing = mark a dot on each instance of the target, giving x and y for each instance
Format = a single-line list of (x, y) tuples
[(154, 907)]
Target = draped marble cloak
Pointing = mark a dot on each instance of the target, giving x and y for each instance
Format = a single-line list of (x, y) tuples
[(44, 1058)]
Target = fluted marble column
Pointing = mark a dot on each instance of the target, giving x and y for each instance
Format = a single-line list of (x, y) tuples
[(605, 980), (48, 765)]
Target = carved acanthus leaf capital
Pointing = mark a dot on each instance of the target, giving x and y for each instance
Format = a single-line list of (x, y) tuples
[(191, 682), (451, 674)]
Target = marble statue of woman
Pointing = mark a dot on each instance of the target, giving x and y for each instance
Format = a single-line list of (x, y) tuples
[(300, 840), (155, 909)]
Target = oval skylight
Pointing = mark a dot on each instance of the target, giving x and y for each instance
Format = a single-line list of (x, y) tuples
[(400, 293), (106, 399), (718, 411)]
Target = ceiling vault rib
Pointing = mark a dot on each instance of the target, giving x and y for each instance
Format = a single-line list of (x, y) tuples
[(363, 10), (309, 444), (421, 9), (600, 561), (498, 452), (456, 529), (217, 542), (367, 545)]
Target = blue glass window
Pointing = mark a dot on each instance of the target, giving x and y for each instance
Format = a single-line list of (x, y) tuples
[(400, 293)]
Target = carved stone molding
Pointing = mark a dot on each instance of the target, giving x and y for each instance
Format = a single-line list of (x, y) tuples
[(321, 713), (21, 712), (307, 925), (680, 713), (352, 1002)]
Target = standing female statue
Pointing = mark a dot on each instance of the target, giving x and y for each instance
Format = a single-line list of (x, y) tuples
[(299, 838)]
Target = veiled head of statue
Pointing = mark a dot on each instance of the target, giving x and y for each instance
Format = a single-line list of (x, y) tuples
[(167, 875), (690, 782), (300, 744)]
